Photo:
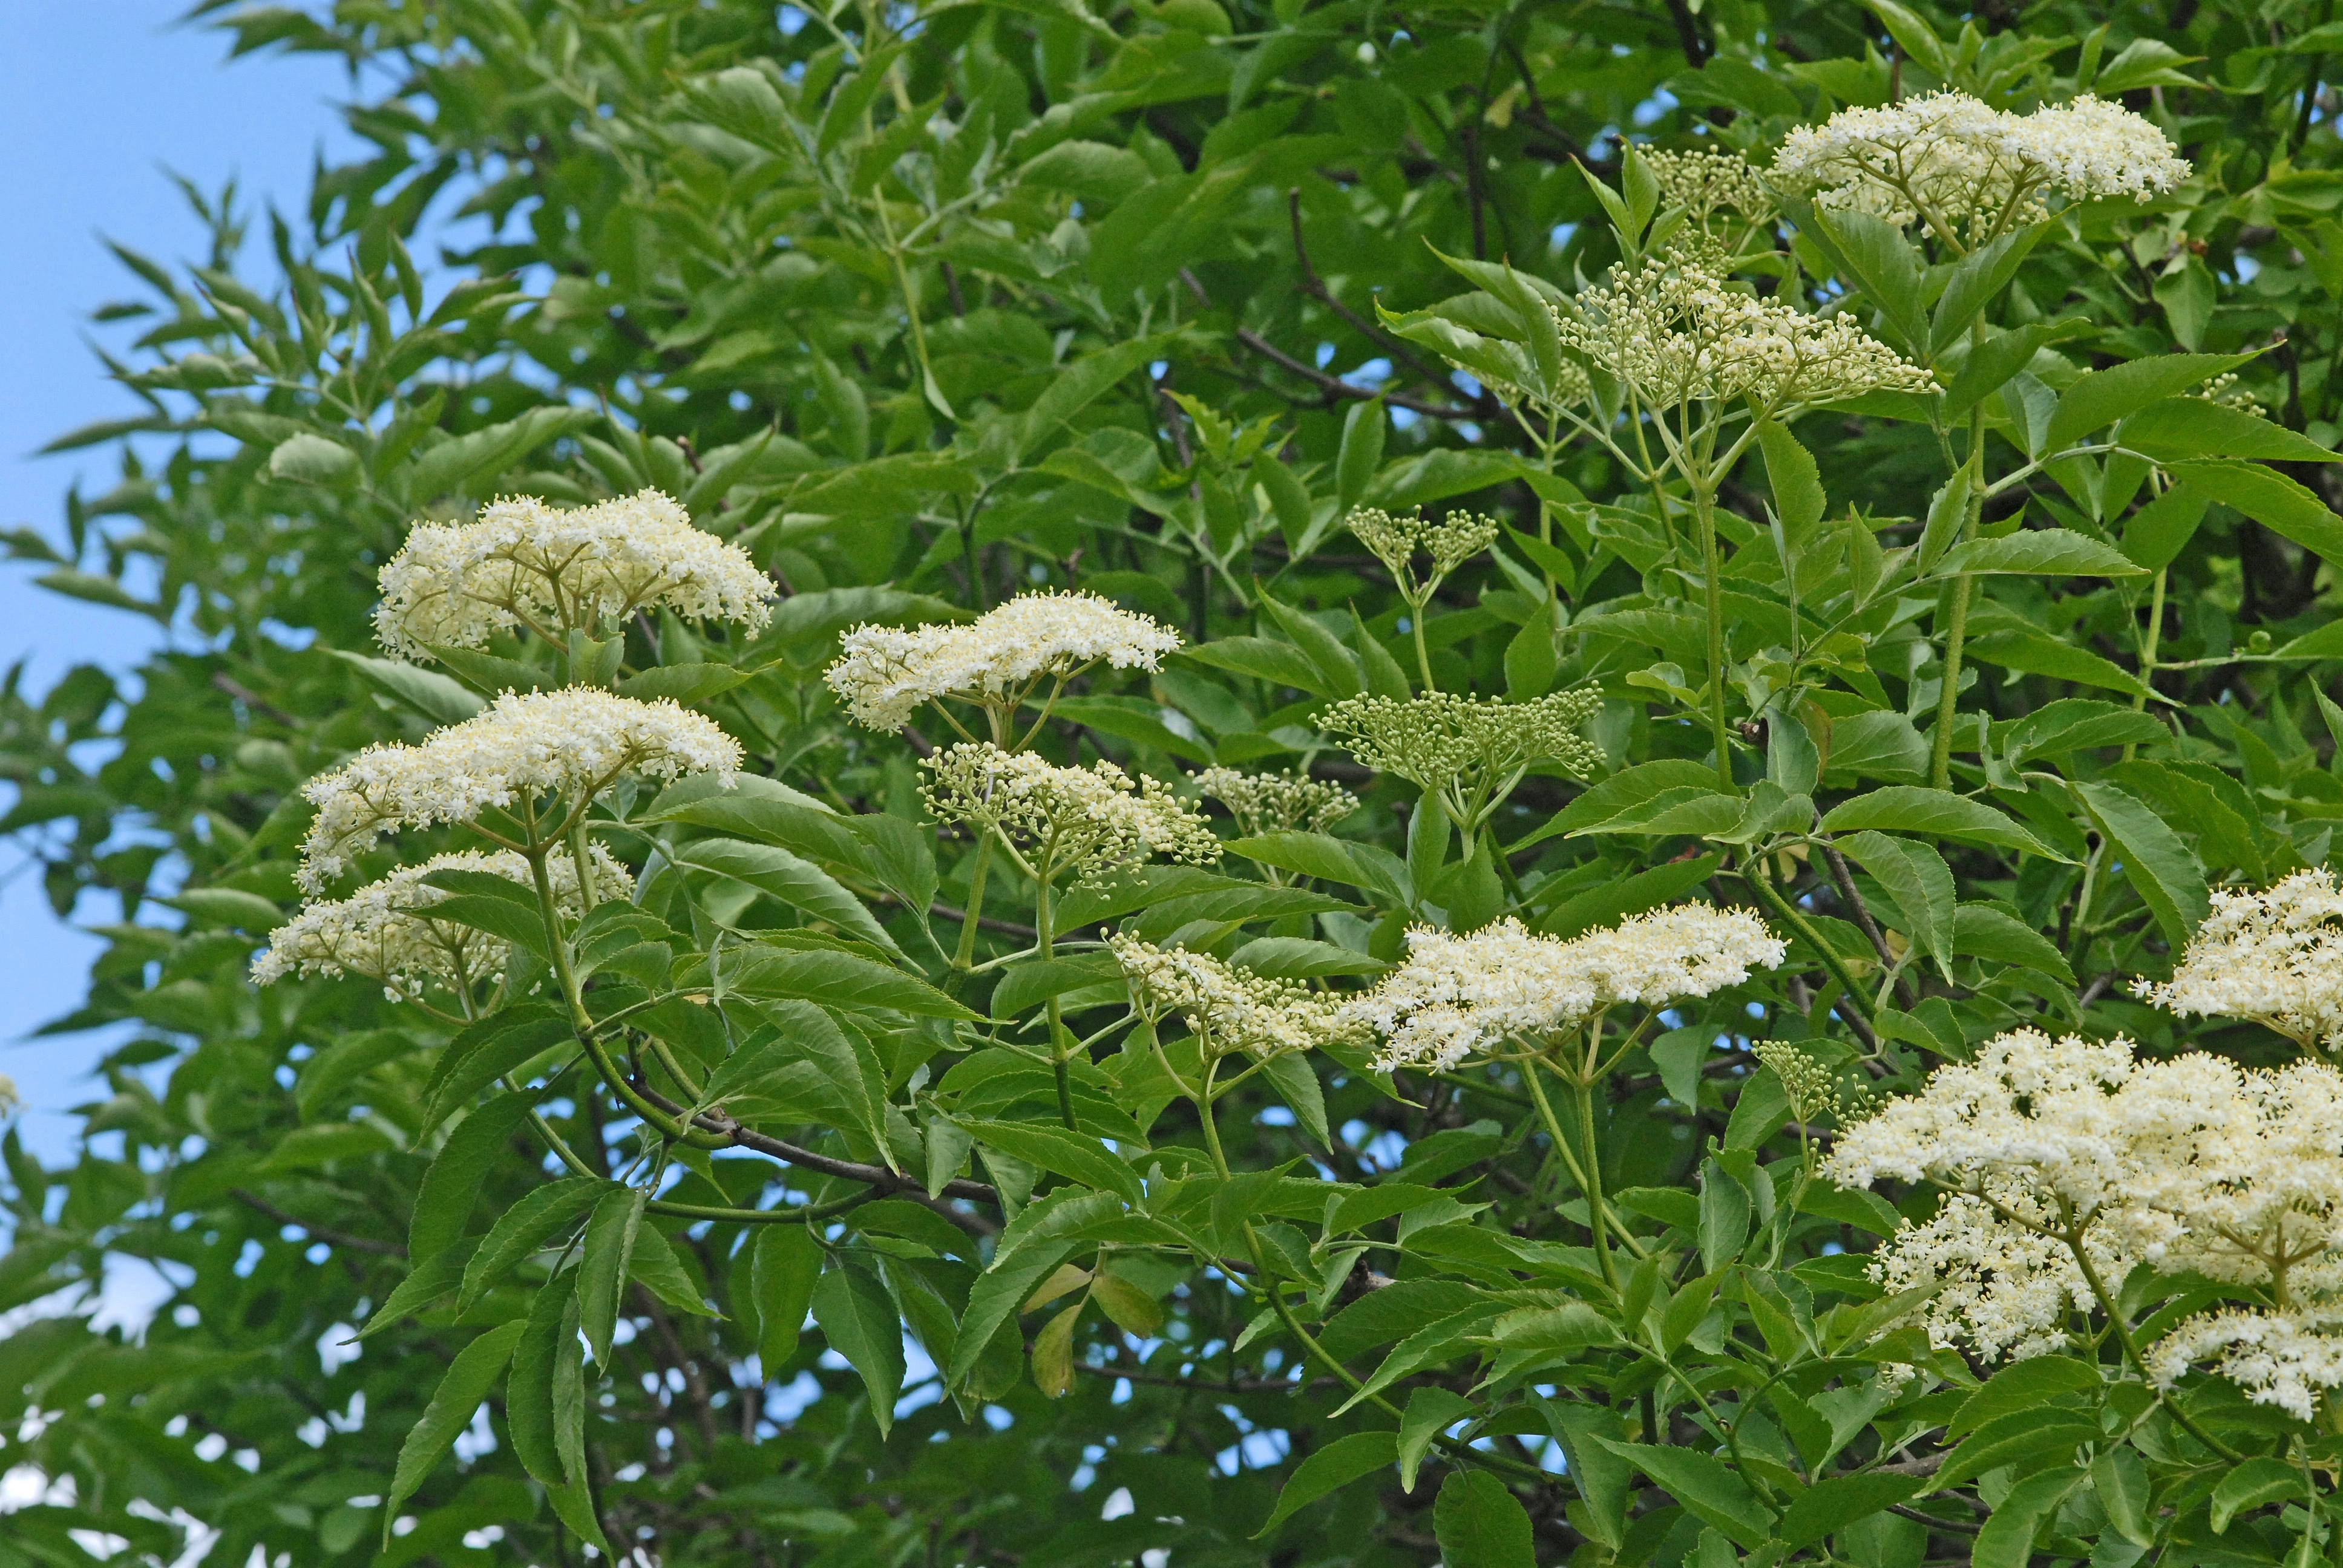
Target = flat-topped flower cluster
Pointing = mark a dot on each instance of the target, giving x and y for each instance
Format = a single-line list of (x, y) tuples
[(2275, 957), (1458, 996), (553, 569), (385, 929), (2070, 1158), (1948, 159), (1094, 819), (884, 673), (1229, 1008)]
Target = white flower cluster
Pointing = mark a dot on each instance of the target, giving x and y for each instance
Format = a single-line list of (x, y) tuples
[(1277, 802), (1678, 331), (553, 569), (385, 929), (1231, 1008), (576, 742), (1465, 751), (1459, 995), (2275, 957), (2192, 1164), (884, 673), (1094, 818), (1948, 159), (2277, 1358), (1707, 180)]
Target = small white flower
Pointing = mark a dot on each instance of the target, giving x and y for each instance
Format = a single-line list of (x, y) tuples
[(1231, 1008), (884, 673), (1276, 802), (384, 930), (576, 742), (2275, 957), (525, 562), (2278, 1358)]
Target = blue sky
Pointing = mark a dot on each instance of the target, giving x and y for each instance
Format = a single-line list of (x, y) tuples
[(97, 97)]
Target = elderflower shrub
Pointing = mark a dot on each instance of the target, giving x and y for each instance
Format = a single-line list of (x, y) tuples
[(555, 570), (1466, 753), (385, 929), (2273, 956), (1277, 802), (1095, 819), (1953, 161), (2275, 1358), (574, 742), (1229, 1009), (1461, 996), (884, 673), (1678, 331)]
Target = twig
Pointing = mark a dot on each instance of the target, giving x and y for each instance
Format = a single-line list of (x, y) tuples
[(1316, 287), (331, 1238), (251, 698), (1844, 880), (1335, 387)]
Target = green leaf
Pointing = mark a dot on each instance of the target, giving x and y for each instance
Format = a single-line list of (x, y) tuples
[(485, 1052), (2100, 398), (781, 1274), (1034, 1244), (1917, 876), (471, 463), (2256, 1484), (1614, 901), (1297, 1084), (840, 979), (493, 675), (2271, 499), (1300, 958), (2075, 724), (431, 1280), (685, 683), (659, 1269), (1360, 455), (1278, 663), (1430, 1410), (2194, 427), (545, 1214), (1337, 667), (1885, 265), (1724, 1216), (1975, 280), (604, 1264), (2162, 869), (2042, 552), (471, 1376), (312, 459), (427, 691), (2023, 1386), (1790, 469), (1837, 1502), (1075, 386), (1070, 1154), (2155, 535), (1331, 1468), (443, 1204), (2033, 653), (2024, 1435), (1933, 813), (1370, 868), (857, 1316), (229, 906), (539, 1364), (1481, 1523), (1704, 1484), (2008, 1536), (1982, 931), (789, 878)]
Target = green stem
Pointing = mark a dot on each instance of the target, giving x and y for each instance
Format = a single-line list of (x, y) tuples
[(1598, 1208), (964, 957), (1423, 654), (1956, 620), (1753, 873), (2131, 1347), (2148, 651), (1044, 948), (1703, 506)]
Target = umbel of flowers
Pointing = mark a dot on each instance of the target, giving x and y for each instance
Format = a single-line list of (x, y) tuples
[(2068, 1163)]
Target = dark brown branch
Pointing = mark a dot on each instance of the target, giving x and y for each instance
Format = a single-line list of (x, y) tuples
[(1316, 287), (331, 1238)]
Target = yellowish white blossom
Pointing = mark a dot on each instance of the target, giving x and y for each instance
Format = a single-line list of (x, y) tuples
[(2275, 957), (385, 929), (1456, 996), (1277, 802), (1466, 753), (1092, 818), (1230, 1009), (574, 742), (2002, 1288), (1954, 161), (884, 673), (1677, 331), (554, 569), (2278, 1358)]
